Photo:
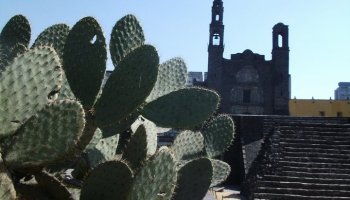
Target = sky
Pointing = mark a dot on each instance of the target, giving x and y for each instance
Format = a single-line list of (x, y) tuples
[(319, 31)]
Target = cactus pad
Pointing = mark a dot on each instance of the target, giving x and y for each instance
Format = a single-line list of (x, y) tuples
[(137, 150), (27, 85), (151, 132), (156, 179), (104, 150), (65, 91), (221, 171), (128, 86), (7, 189), (218, 135), (172, 76), (183, 108), (84, 60), (108, 146), (49, 135), (17, 30), (51, 185), (188, 145), (9, 52), (194, 180), (149, 125), (54, 36), (122, 125), (14, 39), (94, 140), (110, 180), (127, 35)]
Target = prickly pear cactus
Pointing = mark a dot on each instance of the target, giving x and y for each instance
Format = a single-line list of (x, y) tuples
[(127, 35), (156, 180), (109, 180), (47, 136), (7, 189), (123, 94), (101, 150), (27, 85), (218, 135), (151, 132), (14, 39), (81, 141), (8, 53), (122, 125), (84, 60), (188, 145), (17, 30), (55, 36), (190, 187), (136, 151), (221, 171), (51, 185), (200, 147), (172, 76), (196, 113)]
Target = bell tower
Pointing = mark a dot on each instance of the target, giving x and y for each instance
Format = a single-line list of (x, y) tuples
[(216, 44), (280, 59)]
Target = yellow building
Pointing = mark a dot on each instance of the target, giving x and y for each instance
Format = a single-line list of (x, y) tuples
[(317, 108)]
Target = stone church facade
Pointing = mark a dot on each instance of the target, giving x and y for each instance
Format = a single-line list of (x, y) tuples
[(247, 83)]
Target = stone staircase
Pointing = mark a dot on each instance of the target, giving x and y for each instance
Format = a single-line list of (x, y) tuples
[(305, 161)]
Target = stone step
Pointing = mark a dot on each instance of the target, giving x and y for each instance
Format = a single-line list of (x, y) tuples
[(314, 133), (332, 150), (322, 146), (306, 179), (322, 132), (304, 192), (301, 185), (316, 160), (261, 196), (316, 170), (313, 165), (316, 141), (316, 137), (315, 175), (314, 126), (316, 155)]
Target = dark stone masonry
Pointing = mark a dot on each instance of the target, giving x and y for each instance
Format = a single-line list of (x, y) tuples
[(275, 156), (300, 158), (247, 83)]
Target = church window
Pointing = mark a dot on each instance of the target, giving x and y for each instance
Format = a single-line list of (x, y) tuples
[(246, 96), (280, 40), (216, 39), (217, 17)]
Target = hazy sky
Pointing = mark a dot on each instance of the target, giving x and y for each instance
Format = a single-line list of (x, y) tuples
[(319, 31)]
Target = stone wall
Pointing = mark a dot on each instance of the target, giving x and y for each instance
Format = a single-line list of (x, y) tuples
[(250, 131)]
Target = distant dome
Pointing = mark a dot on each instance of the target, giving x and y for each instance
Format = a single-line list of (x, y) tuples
[(247, 51), (248, 54)]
